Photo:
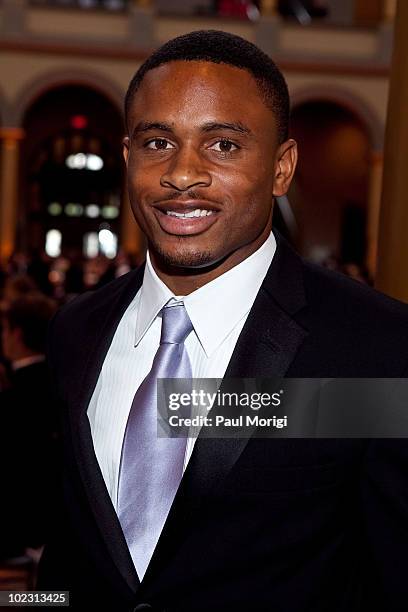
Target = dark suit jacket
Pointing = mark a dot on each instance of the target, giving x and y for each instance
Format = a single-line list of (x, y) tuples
[(29, 452), (289, 525)]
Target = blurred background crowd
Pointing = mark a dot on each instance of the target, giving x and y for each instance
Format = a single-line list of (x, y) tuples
[(65, 220), (31, 290)]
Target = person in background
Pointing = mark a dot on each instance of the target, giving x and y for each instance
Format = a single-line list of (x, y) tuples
[(28, 426), (16, 286), (38, 269)]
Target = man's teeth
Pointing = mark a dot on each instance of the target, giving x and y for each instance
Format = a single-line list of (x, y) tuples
[(198, 212)]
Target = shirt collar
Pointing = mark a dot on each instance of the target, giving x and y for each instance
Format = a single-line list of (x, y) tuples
[(153, 297), (215, 308)]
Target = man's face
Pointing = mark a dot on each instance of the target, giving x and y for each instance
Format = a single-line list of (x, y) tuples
[(204, 163)]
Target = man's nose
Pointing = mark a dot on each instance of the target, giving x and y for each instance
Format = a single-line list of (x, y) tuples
[(186, 170)]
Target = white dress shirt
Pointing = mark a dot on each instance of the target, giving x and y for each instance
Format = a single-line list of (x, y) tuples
[(218, 311)]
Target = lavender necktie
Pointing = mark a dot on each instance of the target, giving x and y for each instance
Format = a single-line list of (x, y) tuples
[(151, 468)]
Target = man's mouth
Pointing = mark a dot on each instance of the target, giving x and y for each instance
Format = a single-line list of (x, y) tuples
[(185, 218), (198, 212)]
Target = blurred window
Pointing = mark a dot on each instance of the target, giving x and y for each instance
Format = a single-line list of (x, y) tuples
[(110, 5), (104, 242), (108, 243), (92, 211), (74, 168), (53, 243), (186, 7), (55, 209), (91, 244), (304, 11), (237, 9)]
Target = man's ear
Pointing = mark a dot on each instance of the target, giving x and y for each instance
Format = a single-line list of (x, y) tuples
[(286, 159), (125, 149)]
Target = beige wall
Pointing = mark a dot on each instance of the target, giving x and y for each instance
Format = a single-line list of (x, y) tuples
[(358, 44), (22, 72), (122, 35), (166, 28), (365, 95), (115, 52), (74, 23), (19, 71)]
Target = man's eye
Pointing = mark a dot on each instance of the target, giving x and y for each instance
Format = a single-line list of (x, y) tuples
[(159, 144), (224, 146)]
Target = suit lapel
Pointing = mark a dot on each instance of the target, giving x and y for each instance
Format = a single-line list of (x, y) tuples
[(102, 328), (266, 348)]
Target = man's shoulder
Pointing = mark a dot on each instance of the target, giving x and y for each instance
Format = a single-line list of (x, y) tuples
[(348, 299), (326, 296), (84, 306), (83, 319), (32, 372), (353, 330)]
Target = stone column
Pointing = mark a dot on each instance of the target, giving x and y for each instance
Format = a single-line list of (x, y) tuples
[(14, 17), (368, 13), (373, 212), (141, 24), (269, 7), (392, 264), (389, 9), (10, 148), (386, 32), (267, 28)]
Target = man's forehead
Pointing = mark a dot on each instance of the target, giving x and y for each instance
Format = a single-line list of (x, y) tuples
[(197, 65), (197, 73), (198, 87)]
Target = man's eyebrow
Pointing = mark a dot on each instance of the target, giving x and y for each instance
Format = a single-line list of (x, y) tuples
[(234, 127), (211, 126), (146, 126)]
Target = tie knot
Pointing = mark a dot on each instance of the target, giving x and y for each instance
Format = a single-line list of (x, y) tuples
[(176, 324)]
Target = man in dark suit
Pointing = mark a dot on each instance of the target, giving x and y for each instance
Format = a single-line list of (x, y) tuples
[(29, 425), (254, 524)]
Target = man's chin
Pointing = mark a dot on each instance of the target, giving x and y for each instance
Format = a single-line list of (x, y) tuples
[(185, 259)]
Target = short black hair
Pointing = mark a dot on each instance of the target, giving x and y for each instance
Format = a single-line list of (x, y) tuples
[(223, 48), (31, 313)]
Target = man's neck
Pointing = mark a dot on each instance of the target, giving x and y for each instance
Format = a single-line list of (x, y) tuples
[(183, 281)]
